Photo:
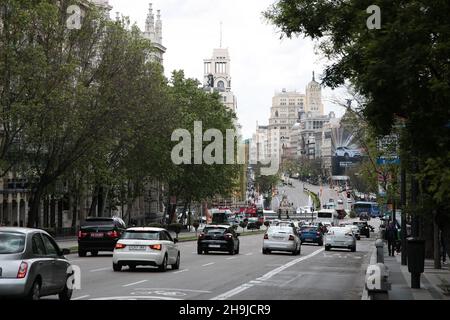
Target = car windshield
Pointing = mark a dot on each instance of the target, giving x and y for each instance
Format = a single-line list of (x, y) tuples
[(141, 235), (11, 243), (213, 231)]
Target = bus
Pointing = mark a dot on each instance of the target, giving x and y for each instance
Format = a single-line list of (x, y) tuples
[(371, 208), (327, 215), (222, 216)]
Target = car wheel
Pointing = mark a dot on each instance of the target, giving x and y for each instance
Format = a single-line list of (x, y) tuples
[(117, 267), (176, 266), (94, 253), (132, 267), (66, 293), (237, 250), (353, 249), (346, 155), (35, 292), (81, 253), (264, 251), (199, 251), (163, 266), (231, 252), (320, 243), (327, 248)]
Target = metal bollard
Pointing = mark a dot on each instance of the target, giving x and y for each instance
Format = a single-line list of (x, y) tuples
[(380, 250)]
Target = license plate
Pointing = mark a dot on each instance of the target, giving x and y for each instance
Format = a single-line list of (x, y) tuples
[(137, 248), (97, 235), (309, 240), (214, 246), (279, 238)]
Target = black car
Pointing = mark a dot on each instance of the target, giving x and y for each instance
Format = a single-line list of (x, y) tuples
[(364, 228), (218, 238), (99, 234)]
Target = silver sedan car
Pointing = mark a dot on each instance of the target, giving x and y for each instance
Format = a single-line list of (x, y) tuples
[(281, 238), (32, 265)]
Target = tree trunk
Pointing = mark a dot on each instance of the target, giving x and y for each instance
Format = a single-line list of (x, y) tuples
[(94, 202), (33, 214), (52, 213), (101, 201), (436, 244)]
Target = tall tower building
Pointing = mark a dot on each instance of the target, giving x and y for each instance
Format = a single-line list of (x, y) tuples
[(314, 97), (217, 77), (153, 32)]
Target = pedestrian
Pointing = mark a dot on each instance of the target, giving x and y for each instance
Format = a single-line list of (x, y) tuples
[(444, 249), (391, 237)]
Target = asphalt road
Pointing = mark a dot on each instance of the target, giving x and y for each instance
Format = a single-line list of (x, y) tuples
[(315, 274)]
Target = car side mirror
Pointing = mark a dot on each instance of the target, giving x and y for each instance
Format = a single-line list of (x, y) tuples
[(65, 251), (175, 240)]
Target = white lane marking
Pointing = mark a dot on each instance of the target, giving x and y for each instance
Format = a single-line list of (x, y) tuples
[(265, 277), (194, 251), (76, 260), (231, 258), (174, 289), (134, 283), (184, 270), (81, 297), (101, 269), (137, 298), (249, 254), (208, 264)]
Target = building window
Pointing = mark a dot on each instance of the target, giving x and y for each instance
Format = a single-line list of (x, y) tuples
[(221, 84)]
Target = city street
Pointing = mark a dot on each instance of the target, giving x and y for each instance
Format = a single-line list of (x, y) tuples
[(315, 274)]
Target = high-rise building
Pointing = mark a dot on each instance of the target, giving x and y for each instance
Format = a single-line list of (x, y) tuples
[(314, 97), (217, 77)]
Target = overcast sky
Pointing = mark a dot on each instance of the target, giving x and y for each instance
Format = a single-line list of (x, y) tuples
[(261, 63)]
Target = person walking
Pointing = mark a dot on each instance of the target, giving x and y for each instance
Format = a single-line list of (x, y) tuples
[(444, 249), (391, 237)]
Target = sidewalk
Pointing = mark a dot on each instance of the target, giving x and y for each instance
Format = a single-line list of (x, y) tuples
[(431, 280)]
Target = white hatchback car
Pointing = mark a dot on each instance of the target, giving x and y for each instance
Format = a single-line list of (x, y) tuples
[(281, 238), (146, 247), (340, 237)]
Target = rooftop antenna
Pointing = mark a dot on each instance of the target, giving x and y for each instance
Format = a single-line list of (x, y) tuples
[(221, 34)]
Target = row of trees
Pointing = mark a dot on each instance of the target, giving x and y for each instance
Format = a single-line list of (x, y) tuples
[(402, 71), (88, 111)]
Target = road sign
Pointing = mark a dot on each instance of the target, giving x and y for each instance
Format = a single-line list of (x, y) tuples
[(385, 160)]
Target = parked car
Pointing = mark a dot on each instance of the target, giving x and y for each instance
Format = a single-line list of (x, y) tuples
[(146, 247), (32, 265), (364, 228), (340, 237), (218, 238), (281, 238), (311, 235), (99, 234)]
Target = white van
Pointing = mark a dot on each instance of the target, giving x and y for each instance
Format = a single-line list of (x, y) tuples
[(330, 216)]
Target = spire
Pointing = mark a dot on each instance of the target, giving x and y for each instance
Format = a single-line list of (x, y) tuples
[(150, 22), (158, 28), (314, 78)]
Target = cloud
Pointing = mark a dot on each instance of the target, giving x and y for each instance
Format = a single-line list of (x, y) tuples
[(261, 63)]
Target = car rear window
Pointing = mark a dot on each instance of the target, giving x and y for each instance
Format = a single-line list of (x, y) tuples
[(97, 228), (141, 235), (309, 229), (280, 230), (11, 243), (214, 230)]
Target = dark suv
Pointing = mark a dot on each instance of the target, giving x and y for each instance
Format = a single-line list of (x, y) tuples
[(99, 234), (218, 238), (364, 228)]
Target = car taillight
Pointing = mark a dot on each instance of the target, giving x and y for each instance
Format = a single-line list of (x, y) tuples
[(201, 236), (120, 246), (318, 233), (82, 234), (155, 247), (112, 234), (266, 236), (22, 273), (228, 236), (291, 238)]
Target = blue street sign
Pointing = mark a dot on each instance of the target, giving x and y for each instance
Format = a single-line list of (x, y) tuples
[(383, 161)]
